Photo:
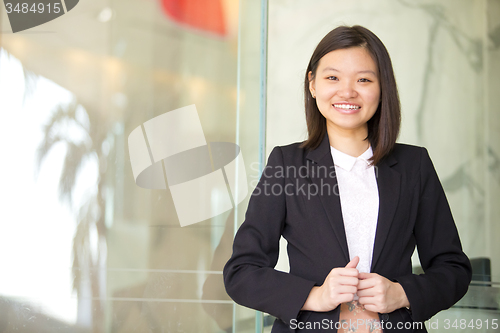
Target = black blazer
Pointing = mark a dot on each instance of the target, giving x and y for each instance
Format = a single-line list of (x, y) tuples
[(297, 197)]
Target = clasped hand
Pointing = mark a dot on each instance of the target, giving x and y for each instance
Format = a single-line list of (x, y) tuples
[(376, 293)]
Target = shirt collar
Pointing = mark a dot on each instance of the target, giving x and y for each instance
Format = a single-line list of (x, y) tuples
[(346, 161)]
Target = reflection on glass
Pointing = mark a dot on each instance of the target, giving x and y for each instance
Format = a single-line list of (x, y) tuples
[(84, 248), (36, 229)]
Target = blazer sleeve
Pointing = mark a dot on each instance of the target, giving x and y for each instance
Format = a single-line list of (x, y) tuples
[(447, 269), (249, 275)]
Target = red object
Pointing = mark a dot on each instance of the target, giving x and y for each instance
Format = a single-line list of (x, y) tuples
[(206, 15)]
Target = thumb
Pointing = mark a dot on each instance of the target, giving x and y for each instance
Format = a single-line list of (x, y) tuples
[(353, 263)]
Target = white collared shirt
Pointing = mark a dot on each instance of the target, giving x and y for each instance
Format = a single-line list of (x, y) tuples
[(359, 200)]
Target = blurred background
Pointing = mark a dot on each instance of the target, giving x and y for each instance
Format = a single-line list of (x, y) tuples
[(84, 249)]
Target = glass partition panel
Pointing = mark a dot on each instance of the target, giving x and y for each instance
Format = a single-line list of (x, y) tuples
[(123, 185)]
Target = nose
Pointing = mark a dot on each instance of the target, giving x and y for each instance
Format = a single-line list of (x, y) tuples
[(347, 90)]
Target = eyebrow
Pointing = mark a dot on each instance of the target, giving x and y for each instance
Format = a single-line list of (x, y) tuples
[(336, 70)]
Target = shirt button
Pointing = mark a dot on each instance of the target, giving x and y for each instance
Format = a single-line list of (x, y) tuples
[(385, 317)]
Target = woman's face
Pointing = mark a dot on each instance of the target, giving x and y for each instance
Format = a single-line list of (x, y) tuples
[(347, 89)]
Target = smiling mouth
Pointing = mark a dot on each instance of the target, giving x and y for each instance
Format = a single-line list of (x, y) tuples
[(346, 106)]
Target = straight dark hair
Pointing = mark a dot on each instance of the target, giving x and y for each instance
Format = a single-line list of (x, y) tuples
[(383, 127)]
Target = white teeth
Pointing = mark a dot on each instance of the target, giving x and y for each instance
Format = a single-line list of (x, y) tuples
[(346, 106)]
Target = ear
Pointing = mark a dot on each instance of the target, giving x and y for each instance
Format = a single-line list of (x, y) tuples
[(312, 85)]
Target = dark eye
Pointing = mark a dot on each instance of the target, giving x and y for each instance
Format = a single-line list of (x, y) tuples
[(364, 80), (332, 78)]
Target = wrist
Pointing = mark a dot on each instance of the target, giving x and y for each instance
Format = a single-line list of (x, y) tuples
[(404, 302), (312, 300)]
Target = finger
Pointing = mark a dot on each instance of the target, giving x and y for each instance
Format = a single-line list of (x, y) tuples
[(345, 280), (367, 300), (341, 271), (369, 292), (348, 272), (347, 290), (366, 284), (364, 276), (371, 307), (353, 263)]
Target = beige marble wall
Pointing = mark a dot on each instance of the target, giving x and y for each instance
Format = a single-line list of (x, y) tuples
[(493, 130), (445, 56)]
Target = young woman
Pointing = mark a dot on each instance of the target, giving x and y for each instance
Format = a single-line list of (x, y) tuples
[(352, 204)]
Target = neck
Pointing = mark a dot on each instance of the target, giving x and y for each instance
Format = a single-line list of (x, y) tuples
[(350, 142)]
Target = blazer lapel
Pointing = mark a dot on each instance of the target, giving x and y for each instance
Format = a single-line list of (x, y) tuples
[(321, 158), (388, 182)]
